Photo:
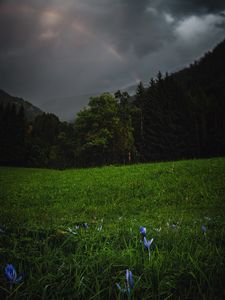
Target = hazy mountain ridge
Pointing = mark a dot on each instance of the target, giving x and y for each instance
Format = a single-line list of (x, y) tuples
[(30, 110)]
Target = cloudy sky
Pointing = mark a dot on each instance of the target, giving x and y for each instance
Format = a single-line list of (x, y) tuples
[(55, 49)]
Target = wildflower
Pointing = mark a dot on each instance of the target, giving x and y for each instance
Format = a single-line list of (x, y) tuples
[(129, 283), (72, 231), (204, 229), (143, 231), (99, 228), (121, 289), (158, 229), (11, 275), (85, 225), (147, 245)]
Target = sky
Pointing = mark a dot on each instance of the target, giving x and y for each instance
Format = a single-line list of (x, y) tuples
[(52, 50)]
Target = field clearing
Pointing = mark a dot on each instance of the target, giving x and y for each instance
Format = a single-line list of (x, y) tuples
[(41, 211)]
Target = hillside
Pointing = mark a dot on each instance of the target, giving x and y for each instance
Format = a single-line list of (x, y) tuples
[(73, 233), (183, 113), (31, 111), (208, 73)]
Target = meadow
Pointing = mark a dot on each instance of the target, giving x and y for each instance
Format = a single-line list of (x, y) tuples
[(72, 234)]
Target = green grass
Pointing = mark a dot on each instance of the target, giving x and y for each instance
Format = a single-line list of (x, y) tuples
[(37, 206)]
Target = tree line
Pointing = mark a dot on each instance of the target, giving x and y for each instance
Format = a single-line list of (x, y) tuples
[(177, 116)]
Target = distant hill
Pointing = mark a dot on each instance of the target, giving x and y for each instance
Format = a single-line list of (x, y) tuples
[(31, 111), (65, 108)]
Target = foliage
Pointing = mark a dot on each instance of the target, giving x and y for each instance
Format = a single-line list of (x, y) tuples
[(167, 123), (177, 116), (103, 131), (12, 136)]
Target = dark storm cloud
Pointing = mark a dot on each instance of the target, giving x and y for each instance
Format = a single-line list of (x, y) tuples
[(59, 48), (190, 7), (130, 26)]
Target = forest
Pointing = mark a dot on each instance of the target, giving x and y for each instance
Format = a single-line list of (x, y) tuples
[(177, 116)]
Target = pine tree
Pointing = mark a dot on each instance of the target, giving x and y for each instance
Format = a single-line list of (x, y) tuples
[(138, 119)]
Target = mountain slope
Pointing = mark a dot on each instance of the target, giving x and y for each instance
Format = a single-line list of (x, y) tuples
[(208, 73), (31, 111)]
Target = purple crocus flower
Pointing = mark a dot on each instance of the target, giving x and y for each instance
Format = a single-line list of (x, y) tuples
[(204, 229), (147, 243), (99, 228), (129, 283), (72, 231), (11, 275), (143, 231)]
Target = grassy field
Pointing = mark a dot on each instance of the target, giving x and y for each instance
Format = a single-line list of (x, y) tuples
[(44, 235)]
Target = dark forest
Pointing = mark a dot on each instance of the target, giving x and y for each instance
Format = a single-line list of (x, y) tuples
[(177, 116)]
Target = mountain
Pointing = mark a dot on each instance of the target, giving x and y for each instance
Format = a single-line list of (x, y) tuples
[(65, 108), (31, 111)]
